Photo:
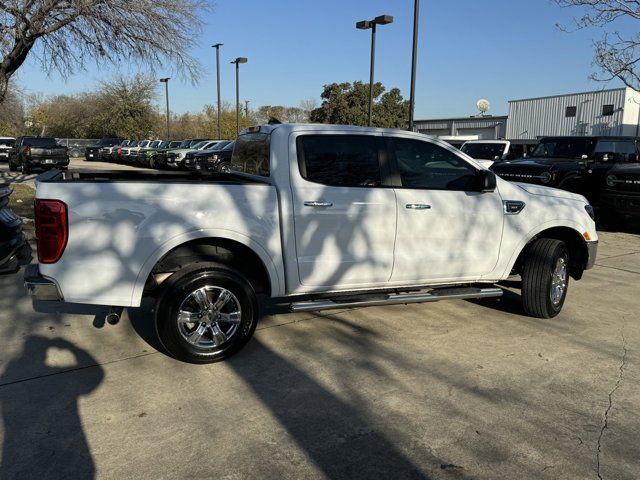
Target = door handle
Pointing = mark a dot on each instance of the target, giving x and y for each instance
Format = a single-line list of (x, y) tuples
[(318, 204), (418, 206)]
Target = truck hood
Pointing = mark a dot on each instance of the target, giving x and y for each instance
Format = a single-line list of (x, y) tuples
[(539, 164), (550, 192)]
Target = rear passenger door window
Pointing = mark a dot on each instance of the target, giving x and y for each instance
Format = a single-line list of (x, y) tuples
[(427, 166), (339, 160)]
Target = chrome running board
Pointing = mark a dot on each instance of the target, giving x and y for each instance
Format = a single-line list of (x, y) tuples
[(398, 299)]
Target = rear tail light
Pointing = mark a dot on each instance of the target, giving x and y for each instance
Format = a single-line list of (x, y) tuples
[(51, 229), (27, 151)]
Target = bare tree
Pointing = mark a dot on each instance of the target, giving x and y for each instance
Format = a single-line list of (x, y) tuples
[(64, 34), (616, 55)]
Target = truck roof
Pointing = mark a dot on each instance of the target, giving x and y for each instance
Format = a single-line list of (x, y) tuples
[(266, 128)]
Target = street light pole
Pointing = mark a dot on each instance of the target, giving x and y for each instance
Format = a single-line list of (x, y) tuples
[(166, 92), (238, 61), (371, 72), (414, 59), (217, 47), (366, 25)]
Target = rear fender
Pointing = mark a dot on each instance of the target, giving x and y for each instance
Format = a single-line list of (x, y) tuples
[(275, 274)]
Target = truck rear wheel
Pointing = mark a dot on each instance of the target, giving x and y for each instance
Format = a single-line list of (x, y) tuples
[(206, 313), (545, 278)]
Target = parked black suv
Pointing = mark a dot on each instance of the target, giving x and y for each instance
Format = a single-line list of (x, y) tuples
[(30, 153), (93, 152), (212, 160), (621, 196), (576, 164)]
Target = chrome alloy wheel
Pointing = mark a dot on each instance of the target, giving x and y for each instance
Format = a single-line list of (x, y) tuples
[(209, 317), (559, 281)]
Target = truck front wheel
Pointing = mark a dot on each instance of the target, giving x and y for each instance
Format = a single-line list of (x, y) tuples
[(206, 313), (545, 278)]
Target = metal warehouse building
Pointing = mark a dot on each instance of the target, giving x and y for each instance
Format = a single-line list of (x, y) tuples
[(459, 130), (602, 112)]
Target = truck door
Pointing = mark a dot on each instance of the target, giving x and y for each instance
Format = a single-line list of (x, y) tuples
[(344, 219), (447, 228)]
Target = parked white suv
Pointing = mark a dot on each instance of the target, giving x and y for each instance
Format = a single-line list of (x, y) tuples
[(311, 216), (6, 146), (487, 152)]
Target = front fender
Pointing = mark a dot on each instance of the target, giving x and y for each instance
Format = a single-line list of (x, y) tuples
[(526, 239)]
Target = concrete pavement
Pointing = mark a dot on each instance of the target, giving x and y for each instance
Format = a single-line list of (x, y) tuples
[(447, 390)]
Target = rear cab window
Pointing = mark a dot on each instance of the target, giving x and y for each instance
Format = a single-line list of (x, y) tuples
[(40, 142), (251, 154)]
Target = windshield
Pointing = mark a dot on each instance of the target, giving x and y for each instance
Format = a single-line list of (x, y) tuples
[(564, 148), (7, 142), (484, 151), (133, 144), (144, 143), (220, 145), (108, 142), (185, 144), (175, 144), (155, 143), (229, 146), (42, 142), (199, 145)]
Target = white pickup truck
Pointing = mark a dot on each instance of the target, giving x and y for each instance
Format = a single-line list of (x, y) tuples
[(311, 216)]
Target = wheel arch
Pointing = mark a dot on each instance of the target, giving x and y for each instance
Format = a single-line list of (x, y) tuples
[(576, 244), (227, 248)]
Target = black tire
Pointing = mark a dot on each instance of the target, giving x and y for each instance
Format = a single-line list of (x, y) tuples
[(26, 169), (538, 270), (179, 288), (12, 167)]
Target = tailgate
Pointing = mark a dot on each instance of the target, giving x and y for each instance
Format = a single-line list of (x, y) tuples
[(56, 152)]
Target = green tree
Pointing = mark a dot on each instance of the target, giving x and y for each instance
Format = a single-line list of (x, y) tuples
[(125, 108), (348, 104)]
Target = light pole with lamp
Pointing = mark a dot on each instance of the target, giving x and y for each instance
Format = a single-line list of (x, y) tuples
[(366, 25), (238, 61), (217, 47), (166, 91)]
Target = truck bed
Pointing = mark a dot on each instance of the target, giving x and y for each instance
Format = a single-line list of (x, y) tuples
[(108, 176)]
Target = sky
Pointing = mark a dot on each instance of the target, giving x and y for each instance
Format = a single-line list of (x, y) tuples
[(468, 49)]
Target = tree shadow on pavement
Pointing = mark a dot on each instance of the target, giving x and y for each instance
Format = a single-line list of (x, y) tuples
[(336, 435), (42, 427)]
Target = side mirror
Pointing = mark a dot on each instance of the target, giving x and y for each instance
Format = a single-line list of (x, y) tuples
[(488, 182)]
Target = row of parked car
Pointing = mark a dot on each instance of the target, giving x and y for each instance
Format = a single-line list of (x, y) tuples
[(605, 169), (191, 154)]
